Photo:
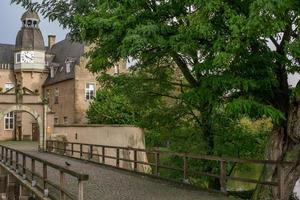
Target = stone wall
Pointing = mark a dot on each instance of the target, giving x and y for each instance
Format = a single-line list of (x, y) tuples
[(108, 135), (82, 77), (32, 80), (6, 76), (65, 105)]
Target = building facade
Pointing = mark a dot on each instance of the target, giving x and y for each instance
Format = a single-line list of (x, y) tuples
[(54, 73)]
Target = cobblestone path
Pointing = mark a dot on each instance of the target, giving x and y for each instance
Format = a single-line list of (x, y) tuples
[(106, 183)]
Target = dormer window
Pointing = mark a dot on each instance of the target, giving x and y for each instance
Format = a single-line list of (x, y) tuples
[(69, 62), (68, 67), (52, 72)]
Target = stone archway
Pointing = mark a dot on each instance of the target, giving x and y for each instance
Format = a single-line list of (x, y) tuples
[(36, 111)]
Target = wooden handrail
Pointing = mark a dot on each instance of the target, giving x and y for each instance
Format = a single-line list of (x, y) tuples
[(200, 157), (12, 159), (78, 175), (186, 173)]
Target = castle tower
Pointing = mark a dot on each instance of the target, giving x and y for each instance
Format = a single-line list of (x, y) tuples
[(30, 72), (29, 55)]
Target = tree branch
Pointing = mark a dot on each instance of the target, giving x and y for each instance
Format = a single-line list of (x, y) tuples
[(185, 70), (170, 82), (275, 42), (164, 95), (286, 36)]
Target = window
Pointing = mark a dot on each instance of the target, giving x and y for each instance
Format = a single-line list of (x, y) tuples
[(18, 57), (55, 120), (68, 67), (89, 91), (8, 86), (9, 121), (65, 120), (52, 72), (56, 94)]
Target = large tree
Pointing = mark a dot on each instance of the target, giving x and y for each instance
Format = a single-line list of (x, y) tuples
[(233, 55)]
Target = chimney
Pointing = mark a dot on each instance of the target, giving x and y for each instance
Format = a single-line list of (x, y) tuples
[(51, 40)]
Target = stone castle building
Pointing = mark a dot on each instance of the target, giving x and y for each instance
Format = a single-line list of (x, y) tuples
[(54, 75)]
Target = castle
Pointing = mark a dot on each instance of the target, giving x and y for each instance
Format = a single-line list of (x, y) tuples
[(55, 75)]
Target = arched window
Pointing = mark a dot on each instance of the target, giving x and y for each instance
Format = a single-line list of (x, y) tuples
[(29, 23)]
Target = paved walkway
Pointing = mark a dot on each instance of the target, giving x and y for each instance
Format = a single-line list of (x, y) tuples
[(106, 183)]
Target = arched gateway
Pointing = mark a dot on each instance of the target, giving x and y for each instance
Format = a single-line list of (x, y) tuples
[(14, 101), (36, 111)]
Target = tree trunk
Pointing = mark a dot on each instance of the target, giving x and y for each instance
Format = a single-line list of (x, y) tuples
[(283, 146)]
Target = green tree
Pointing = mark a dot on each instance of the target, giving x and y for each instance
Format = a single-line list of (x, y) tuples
[(222, 49)]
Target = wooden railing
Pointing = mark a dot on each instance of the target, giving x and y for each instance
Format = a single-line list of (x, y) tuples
[(26, 166), (70, 149)]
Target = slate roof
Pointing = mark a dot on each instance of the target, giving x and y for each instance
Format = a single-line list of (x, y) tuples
[(30, 15), (62, 51), (6, 53), (30, 39), (67, 49)]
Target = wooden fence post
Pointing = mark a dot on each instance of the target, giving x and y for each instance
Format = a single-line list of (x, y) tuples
[(45, 175), (6, 155), (185, 168), (157, 163), (118, 158), (72, 149), (91, 152), (135, 160), (17, 161), (32, 168), (2, 156), (80, 150), (62, 184), (223, 177), (11, 157), (103, 154), (24, 165), (80, 189), (65, 147), (53, 146)]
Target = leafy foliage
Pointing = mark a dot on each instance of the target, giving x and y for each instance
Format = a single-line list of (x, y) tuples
[(209, 59)]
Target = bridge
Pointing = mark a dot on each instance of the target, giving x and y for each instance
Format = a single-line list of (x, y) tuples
[(66, 170), (105, 182)]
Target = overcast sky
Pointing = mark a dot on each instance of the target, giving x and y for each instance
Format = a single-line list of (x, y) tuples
[(10, 24)]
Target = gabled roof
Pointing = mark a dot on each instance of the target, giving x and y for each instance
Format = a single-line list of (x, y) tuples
[(6, 53), (67, 49), (63, 51)]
